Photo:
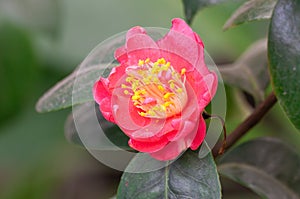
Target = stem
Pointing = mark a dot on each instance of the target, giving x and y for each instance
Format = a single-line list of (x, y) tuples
[(247, 124)]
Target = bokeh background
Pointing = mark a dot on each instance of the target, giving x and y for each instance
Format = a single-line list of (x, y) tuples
[(42, 41)]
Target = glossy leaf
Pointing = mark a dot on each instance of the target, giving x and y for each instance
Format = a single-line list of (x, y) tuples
[(266, 165), (250, 11), (60, 96), (191, 7), (86, 125), (284, 57), (187, 177), (38, 15), (250, 71)]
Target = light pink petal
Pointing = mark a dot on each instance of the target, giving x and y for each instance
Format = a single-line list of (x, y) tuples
[(138, 46), (200, 135), (125, 113), (181, 26), (183, 42), (171, 150), (212, 83), (187, 129), (174, 149), (121, 55)]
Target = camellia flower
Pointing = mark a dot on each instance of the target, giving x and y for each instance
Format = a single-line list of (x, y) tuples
[(158, 92)]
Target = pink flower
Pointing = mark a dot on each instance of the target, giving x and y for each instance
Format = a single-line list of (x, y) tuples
[(158, 92)]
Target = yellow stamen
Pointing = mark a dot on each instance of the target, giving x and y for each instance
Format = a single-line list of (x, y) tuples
[(126, 92), (168, 95), (142, 114), (179, 90), (160, 87), (183, 71), (141, 62)]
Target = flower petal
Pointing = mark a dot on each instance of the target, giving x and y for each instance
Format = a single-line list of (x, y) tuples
[(183, 42), (103, 98), (200, 135), (148, 147), (138, 46)]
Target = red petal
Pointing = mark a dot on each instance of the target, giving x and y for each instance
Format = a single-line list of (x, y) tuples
[(105, 108), (200, 135), (99, 91), (148, 147)]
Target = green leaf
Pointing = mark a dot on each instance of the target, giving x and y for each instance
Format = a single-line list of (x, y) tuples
[(187, 177), (61, 95), (250, 11), (284, 57), (86, 126), (250, 71), (266, 165), (38, 15), (18, 70), (191, 7)]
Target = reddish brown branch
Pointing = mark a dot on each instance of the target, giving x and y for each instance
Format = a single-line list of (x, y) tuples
[(246, 125)]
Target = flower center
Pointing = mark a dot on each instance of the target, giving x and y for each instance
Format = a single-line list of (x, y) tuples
[(156, 88)]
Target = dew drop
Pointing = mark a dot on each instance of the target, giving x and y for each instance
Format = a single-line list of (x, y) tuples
[(294, 68), (284, 93)]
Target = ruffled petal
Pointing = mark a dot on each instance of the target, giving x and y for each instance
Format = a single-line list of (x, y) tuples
[(183, 42), (138, 46)]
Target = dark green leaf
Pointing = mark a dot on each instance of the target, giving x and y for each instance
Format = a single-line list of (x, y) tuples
[(38, 15), (284, 57), (187, 177), (18, 68), (85, 125), (191, 7), (250, 11), (265, 165), (250, 71), (61, 95)]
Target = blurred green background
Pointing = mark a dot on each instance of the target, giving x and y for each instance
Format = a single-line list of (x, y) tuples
[(42, 41)]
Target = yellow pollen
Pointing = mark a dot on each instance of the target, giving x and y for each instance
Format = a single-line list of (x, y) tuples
[(135, 97), (168, 95), (160, 87), (161, 61), (129, 79), (156, 88), (167, 104), (183, 71), (141, 62), (142, 114), (179, 90), (172, 85)]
